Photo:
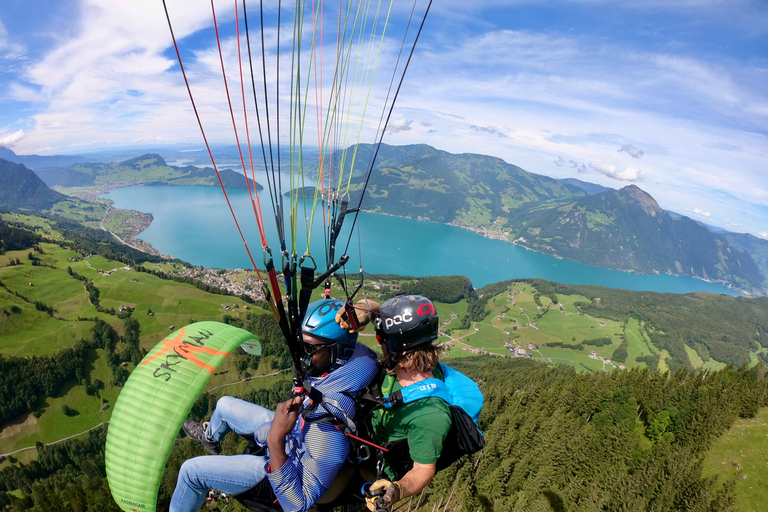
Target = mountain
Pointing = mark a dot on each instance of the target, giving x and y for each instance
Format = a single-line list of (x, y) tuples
[(21, 188), (628, 230), (148, 169), (754, 246), (620, 229), (36, 161), (589, 188), (423, 182), (710, 227)]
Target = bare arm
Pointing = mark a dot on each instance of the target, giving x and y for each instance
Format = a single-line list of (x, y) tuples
[(416, 479), (411, 484), (283, 422)]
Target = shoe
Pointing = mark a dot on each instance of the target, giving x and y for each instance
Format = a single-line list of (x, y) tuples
[(198, 432)]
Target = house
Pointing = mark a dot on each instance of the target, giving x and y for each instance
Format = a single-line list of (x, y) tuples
[(104, 407)]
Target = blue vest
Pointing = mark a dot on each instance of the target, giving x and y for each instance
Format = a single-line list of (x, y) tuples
[(455, 389)]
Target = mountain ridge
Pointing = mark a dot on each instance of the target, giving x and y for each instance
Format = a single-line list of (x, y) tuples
[(147, 169), (22, 188), (622, 229)]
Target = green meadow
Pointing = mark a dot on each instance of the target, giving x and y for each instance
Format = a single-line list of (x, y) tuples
[(25, 331), (516, 317), (742, 452)]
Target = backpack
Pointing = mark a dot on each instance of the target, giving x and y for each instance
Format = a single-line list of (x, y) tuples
[(465, 401)]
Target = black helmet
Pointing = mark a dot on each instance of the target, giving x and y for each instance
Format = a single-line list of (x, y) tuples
[(406, 322)]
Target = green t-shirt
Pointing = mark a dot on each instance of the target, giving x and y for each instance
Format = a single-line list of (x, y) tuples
[(425, 423)]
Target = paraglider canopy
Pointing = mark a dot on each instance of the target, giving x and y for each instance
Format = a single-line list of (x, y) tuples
[(154, 403)]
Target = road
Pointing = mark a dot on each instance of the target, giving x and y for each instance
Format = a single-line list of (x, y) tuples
[(55, 442)]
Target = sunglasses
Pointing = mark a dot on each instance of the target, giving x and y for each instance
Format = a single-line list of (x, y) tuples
[(312, 348)]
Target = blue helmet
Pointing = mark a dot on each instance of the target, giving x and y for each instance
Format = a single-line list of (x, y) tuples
[(320, 322)]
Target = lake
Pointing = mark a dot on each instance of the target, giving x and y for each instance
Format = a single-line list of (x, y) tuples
[(194, 224)]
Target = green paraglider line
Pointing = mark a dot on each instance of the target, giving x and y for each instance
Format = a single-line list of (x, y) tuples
[(389, 115)]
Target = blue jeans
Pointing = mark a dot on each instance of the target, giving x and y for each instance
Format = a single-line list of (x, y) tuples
[(231, 474)]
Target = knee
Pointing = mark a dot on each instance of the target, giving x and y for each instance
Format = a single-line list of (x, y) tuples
[(190, 471), (225, 403)]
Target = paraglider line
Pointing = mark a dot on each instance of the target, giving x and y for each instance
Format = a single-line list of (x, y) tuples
[(383, 131), (205, 139)]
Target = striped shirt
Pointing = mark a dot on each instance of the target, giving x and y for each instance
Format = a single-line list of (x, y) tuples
[(316, 451)]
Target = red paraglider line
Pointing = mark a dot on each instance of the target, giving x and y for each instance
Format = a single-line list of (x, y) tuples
[(256, 212), (205, 139)]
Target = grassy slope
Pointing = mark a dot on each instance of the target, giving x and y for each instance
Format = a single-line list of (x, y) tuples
[(743, 446), (32, 332)]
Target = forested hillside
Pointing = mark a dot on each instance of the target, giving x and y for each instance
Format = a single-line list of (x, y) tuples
[(555, 440), (149, 169), (420, 181), (20, 188), (627, 230), (624, 229), (558, 437), (630, 441)]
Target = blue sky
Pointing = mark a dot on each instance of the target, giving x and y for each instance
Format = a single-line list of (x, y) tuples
[(669, 95)]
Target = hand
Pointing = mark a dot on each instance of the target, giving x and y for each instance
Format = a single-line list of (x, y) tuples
[(390, 497), (285, 419), (362, 311), (343, 320)]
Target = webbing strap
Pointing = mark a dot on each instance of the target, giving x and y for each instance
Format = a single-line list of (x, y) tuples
[(422, 389)]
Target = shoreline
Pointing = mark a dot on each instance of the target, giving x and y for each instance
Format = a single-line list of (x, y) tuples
[(494, 234), (505, 238)]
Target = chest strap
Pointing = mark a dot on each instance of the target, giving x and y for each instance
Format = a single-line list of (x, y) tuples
[(422, 389)]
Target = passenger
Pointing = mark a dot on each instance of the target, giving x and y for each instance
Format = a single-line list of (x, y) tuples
[(406, 327), (301, 458)]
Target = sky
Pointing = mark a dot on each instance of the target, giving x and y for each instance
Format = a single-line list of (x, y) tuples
[(669, 95)]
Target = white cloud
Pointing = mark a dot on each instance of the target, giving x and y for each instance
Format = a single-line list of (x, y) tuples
[(764, 234), (701, 212), (7, 49), (610, 170), (11, 139)]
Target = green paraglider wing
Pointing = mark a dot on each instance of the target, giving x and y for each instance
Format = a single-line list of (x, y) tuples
[(154, 403)]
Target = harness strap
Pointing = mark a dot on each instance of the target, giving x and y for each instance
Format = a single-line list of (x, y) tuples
[(422, 389)]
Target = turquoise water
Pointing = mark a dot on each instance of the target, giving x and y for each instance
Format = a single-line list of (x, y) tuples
[(195, 225)]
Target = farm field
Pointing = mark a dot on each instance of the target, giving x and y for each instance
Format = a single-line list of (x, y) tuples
[(519, 317), (25, 331)]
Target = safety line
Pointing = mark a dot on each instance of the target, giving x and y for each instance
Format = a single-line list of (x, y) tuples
[(258, 115)]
